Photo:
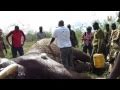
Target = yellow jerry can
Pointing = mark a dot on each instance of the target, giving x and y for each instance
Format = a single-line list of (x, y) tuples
[(99, 60)]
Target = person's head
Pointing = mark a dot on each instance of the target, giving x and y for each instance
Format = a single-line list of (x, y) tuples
[(69, 26), (61, 23), (40, 28), (16, 27), (89, 28), (95, 26), (113, 26), (107, 27)]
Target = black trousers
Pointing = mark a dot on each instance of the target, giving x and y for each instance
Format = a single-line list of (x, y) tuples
[(89, 48), (15, 50), (67, 57)]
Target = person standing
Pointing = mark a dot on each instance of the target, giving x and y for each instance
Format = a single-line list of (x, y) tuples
[(98, 39), (107, 39), (18, 39), (62, 36), (87, 41), (41, 34), (115, 44), (98, 47), (2, 46), (73, 38)]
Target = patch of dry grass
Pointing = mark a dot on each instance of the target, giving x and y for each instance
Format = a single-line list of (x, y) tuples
[(26, 47)]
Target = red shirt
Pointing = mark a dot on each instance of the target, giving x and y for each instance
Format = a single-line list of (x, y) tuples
[(17, 37)]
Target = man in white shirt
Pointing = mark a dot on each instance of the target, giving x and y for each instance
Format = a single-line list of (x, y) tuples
[(62, 36)]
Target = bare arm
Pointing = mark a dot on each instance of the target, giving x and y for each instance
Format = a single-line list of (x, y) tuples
[(52, 40)]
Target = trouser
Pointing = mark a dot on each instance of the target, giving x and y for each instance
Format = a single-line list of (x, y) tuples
[(107, 52), (89, 48), (14, 51), (67, 57)]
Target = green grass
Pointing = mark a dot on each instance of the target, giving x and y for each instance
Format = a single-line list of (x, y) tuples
[(26, 47)]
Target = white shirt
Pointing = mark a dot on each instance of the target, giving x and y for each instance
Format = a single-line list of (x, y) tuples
[(62, 36)]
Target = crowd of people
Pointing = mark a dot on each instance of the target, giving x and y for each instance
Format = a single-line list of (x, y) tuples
[(106, 42), (16, 39)]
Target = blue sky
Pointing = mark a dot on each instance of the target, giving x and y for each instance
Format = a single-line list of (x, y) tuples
[(31, 20)]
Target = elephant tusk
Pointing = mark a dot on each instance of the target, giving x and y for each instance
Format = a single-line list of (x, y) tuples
[(8, 71)]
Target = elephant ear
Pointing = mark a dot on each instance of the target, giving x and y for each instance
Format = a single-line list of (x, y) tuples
[(9, 70)]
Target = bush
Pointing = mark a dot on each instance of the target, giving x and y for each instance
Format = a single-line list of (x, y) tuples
[(79, 33)]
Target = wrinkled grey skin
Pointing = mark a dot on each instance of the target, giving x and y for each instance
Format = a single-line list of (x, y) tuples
[(37, 67), (40, 66), (42, 62)]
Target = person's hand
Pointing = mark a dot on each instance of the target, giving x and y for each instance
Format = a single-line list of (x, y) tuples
[(49, 45), (22, 45)]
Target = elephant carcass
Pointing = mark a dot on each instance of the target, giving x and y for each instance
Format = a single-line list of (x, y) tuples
[(54, 52), (40, 66), (79, 55), (37, 67), (81, 61), (9, 69)]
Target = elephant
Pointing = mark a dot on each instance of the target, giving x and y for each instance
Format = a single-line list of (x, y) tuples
[(42, 62), (54, 53)]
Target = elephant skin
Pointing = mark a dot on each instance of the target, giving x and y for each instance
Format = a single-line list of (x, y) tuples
[(42, 67), (53, 52), (42, 62)]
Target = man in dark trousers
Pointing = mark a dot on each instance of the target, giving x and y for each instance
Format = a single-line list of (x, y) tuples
[(18, 39), (73, 38), (62, 37), (107, 39), (87, 41)]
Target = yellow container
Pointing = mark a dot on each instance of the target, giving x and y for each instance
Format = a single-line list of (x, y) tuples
[(99, 60)]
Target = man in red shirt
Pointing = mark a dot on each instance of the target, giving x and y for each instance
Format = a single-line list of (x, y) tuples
[(18, 39)]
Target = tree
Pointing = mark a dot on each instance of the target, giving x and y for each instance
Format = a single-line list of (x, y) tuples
[(31, 36)]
